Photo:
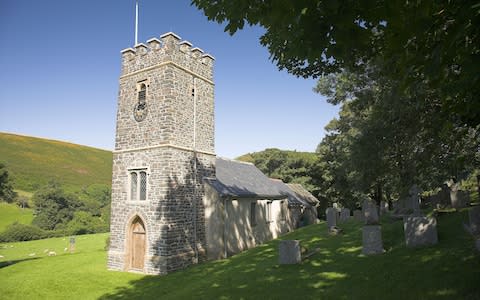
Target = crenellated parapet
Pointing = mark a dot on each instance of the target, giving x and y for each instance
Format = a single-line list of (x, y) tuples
[(169, 49)]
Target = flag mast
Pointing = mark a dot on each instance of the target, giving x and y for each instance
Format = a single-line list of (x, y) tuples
[(136, 22)]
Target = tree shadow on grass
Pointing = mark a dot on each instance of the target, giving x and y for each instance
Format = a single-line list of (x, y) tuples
[(448, 270), (7, 263)]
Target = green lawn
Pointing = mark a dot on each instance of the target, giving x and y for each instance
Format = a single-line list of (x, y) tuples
[(449, 270), (10, 213)]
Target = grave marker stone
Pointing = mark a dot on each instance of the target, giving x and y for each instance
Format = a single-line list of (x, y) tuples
[(372, 240), (370, 213), (357, 215), (420, 231), (331, 217), (344, 214), (289, 252), (474, 217)]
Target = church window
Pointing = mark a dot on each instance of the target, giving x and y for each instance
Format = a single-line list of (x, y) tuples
[(142, 93), (253, 218), (269, 211), (138, 185)]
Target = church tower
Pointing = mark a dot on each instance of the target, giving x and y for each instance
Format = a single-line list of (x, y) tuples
[(164, 148)]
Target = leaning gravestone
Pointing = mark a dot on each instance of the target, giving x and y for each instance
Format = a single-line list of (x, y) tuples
[(372, 240), (474, 217), (331, 217), (420, 231), (357, 215), (289, 252)]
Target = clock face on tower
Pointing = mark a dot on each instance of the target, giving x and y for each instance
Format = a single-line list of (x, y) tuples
[(140, 111)]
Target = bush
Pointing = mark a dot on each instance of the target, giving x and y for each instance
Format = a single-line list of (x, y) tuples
[(21, 232)]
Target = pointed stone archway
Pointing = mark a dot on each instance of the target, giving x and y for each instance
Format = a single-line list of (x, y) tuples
[(136, 245)]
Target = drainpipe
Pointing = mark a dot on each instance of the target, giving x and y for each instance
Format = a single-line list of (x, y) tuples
[(194, 94), (225, 214)]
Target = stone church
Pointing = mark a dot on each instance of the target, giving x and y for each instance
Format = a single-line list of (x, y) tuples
[(174, 203)]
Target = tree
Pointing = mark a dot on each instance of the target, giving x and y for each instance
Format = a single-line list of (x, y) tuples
[(388, 139), (433, 42), (53, 207), (7, 193)]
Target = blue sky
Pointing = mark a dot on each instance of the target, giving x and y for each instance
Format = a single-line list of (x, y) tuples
[(60, 63)]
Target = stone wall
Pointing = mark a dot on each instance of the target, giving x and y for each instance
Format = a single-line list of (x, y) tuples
[(164, 144)]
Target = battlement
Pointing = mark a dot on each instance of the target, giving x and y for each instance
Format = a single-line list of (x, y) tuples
[(169, 49)]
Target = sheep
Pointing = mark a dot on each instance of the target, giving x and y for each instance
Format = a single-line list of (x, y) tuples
[(52, 253)]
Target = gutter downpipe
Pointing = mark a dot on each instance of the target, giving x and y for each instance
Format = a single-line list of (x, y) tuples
[(194, 92), (225, 227)]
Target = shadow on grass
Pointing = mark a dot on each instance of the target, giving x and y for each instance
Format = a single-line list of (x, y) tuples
[(7, 263), (449, 270)]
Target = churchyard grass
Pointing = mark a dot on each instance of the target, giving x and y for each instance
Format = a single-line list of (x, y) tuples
[(448, 270)]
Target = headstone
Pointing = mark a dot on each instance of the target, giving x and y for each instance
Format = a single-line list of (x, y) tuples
[(474, 217), (414, 199), (420, 231), (344, 214), (370, 213), (72, 244), (357, 215), (477, 244), (383, 207), (289, 252), (372, 240), (331, 217), (444, 196), (459, 198)]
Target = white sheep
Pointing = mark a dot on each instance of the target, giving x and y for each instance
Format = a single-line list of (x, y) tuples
[(52, 253), (32, 254)]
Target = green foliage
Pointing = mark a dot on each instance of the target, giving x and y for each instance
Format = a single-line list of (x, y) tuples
[(33, 162), (386, 140), (7, 193), (53, 207), (22, 232), (289, 166), (436, 43), (11, 213), (84, 223), (337, 271)]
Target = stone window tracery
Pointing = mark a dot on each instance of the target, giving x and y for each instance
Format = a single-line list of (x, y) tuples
[(138, 184)]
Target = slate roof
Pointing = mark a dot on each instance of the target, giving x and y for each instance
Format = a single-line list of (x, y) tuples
[(293, 199), (242, 180), (303, 193)]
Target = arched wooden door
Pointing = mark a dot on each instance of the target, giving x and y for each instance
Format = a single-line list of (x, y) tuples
[(137, 245)]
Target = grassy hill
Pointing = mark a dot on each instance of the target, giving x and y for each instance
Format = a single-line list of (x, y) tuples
[(33, 162), (10, 213), (448, 270)]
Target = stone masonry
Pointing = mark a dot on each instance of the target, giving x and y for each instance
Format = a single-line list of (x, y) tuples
[(174, 143)]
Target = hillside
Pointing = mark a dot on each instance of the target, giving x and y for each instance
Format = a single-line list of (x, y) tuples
[(33, 162)]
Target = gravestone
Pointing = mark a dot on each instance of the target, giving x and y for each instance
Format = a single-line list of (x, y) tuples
[(459, 198), (413, 202), (357, 215), (474, 217), (72, 244), (444, 196), (383, 207), (344, 214), (372, 240), (370, 213), (420, 231), (289, 252), (331, 217)]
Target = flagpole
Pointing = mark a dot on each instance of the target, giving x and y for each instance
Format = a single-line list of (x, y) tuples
[(136, 22)]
